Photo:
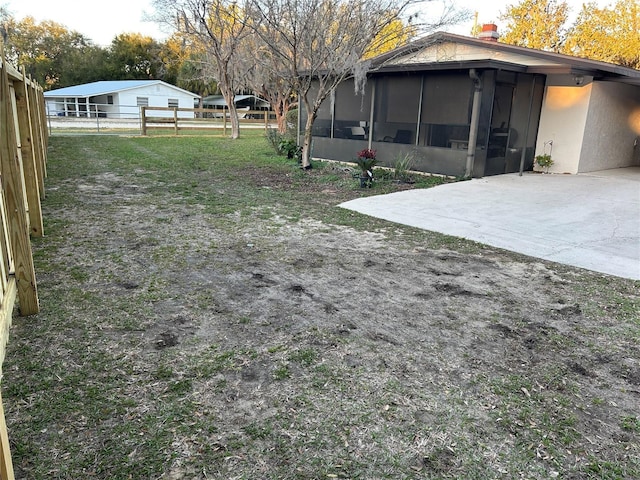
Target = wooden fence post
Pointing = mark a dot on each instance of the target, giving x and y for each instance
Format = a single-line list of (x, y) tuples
[(175, 121), (6, 465), (15, 197), (6, 313), (39, 130), (143, 117), (44, 135), (27, 150)]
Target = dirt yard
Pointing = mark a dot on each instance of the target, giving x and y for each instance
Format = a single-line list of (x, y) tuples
[(204, 329)]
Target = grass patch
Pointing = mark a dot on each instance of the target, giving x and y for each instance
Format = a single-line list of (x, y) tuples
[(208, 312)]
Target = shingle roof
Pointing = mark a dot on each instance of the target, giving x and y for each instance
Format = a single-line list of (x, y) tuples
[(104, 87), (569, 63)]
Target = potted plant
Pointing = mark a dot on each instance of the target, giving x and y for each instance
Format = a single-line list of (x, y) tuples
[(366, 161), (544, 161)]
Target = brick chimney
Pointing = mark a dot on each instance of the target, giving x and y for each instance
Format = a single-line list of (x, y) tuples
[(489, 32)]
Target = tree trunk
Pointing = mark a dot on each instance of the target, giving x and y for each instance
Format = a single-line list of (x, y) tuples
[(312, 113), (306, 142), (229, 97), (275, 101), (281, 118), (280, 104), (235, 123)]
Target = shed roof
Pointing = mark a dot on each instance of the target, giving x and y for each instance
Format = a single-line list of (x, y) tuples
[(219, 101), (108, 86)]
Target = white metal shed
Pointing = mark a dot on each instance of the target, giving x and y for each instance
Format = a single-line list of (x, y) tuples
[(118, 99)]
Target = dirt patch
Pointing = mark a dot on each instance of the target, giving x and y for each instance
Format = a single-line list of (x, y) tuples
[(302, 349)]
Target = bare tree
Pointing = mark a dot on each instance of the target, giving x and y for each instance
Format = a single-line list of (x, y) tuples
[(217, 29), (264, 79), (280, 95), (320, 43)]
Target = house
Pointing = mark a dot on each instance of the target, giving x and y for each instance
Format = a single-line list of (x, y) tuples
[(118, 99), (473, 106)]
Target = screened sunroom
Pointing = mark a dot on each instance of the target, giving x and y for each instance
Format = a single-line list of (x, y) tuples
[(428, 114)]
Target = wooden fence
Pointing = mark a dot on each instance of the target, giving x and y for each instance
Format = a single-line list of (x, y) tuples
[(200, 118), (23, 153)]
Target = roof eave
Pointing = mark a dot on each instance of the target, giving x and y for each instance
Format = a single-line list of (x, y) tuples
[(452, 65), (573, 65)]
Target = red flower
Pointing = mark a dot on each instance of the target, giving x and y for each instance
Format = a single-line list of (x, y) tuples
[(367, 153)]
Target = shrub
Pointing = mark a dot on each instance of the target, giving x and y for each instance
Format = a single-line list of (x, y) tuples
[(402, 166), (544, 161), (284, 145), (290, 148), (274, 137)]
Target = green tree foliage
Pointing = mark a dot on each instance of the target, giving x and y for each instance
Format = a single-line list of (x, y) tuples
[(56, 57), (185, 66), (82, 65), (610, 34), (395, 34), (133, 56), (194, 78), (538, 24), (172, 56), (51, 54)]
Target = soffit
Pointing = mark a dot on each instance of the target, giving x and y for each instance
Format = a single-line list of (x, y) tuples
[(457, 52)]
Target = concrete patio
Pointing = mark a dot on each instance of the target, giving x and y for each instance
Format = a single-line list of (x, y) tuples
[(590, 220)]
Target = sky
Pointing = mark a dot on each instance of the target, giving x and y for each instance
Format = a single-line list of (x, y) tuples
[(102, 20), (99, 20)]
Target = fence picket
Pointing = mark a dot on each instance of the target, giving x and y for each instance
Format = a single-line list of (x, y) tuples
[(25, 129)]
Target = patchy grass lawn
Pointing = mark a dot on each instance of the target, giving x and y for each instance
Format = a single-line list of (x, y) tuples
[(208, 312)]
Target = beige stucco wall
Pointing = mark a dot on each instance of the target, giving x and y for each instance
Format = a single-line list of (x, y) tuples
[(613, 125), (593, 126), (563, 119)]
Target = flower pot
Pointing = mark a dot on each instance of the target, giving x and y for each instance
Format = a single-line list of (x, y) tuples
[(366, 180)]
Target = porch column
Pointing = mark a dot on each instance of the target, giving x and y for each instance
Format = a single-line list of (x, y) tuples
[(475, 120), (526, 133), (371, 114), (420, 110), (333, 110)]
